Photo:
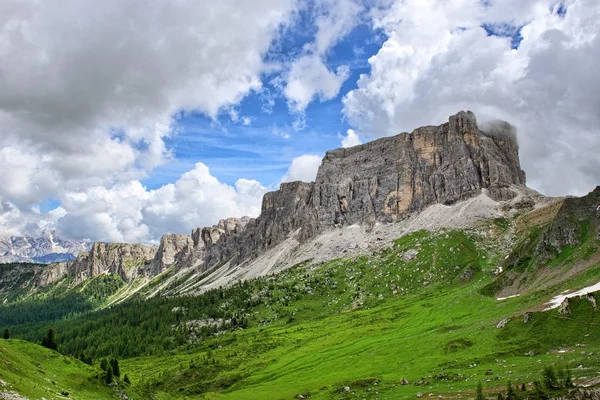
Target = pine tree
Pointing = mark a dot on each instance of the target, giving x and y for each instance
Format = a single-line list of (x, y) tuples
[(115, 367), (6, 334), (511, 394), (126, 379), (568, 379), (479, 395), (109, 376), (550, 381), (49, 340), (500, 397), (103, 364), (538, 392)]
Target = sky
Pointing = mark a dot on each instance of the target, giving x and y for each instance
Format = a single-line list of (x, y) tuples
[(124, 120)]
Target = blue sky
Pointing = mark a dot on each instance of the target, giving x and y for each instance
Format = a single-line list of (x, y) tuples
[(264, 149), (163, 117)]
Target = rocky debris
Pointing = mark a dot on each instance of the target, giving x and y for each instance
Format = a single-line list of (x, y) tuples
[(527, 317), (404, 381), (6, 395), (419, 394), (582, 394), (563, 309), (409, 255), (467, 274), (590, 297), (530, 353), (502, 323)]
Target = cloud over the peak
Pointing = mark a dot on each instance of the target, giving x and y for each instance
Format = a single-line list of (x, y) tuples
[(303, 168), (524, 62), (351, 139)]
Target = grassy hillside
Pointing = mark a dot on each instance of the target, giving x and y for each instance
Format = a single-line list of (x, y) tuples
[(420, 310), (36, 372)]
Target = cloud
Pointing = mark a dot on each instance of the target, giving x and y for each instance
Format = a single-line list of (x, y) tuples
[(303, 168), (308, 76), (128, 212), (88, 90), (351, 139), (438, 59)]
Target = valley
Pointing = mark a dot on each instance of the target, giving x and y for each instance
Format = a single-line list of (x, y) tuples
[(399, 280)]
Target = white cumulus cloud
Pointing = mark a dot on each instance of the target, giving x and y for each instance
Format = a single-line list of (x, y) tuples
[(351, 139), (438, 59), (128, 212), (303, 168)]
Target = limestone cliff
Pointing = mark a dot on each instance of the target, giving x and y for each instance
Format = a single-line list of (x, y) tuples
[(383, 181)]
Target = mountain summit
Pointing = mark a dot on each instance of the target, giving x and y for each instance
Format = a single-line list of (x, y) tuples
[(384, 182)]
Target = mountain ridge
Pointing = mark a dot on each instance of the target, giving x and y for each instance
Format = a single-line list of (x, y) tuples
[(384, 181)]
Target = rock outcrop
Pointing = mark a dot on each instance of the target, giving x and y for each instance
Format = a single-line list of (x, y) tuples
[(383, 181), (127, 260), (172, 248)]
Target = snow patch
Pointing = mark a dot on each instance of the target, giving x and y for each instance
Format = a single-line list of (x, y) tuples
[(557, 300), (507, 297)]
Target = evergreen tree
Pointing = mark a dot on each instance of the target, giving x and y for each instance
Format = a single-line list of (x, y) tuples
[(115, 367), (6, 334), (568, 380), (511, 393), (479, 395), (523, 389), (109, 375), (126, 380), (103, 364), (538, 392), (500, 397), (550, 381), (49, 340)]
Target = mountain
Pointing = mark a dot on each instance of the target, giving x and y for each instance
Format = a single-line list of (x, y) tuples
[(47, 248), (416, 265), (384, 181)]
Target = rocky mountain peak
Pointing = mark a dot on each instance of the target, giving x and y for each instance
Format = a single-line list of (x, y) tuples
[(383, 181)]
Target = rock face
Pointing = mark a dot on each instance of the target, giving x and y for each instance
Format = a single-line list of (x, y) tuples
[(383, 181), (127, 260), (46, 248), (172, 248)]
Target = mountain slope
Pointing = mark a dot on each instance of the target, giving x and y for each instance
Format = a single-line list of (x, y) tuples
[(418, 265), (47, 248), (34, 372)]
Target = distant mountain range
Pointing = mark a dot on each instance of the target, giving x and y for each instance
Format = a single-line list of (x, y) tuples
[(47, 248)]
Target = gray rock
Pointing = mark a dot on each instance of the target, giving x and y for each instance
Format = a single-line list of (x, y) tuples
[(502, 323), (172, 248), (563, 309), (409, 255), (382, 181)]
